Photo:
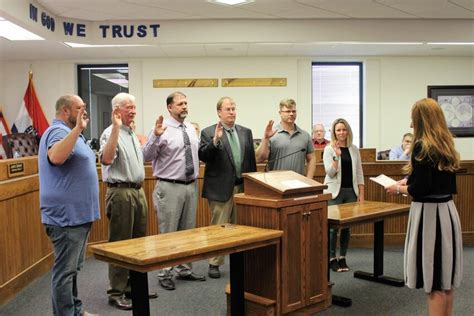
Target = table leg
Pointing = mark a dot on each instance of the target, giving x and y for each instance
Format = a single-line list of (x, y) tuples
[(237, 302), (377, 275), (336, 299), (139, 284)]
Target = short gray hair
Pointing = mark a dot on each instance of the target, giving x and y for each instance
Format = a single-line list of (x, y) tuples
[(122, 98), (318, 124)]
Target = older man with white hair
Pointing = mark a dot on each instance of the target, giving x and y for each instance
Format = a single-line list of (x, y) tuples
[(126, 207)]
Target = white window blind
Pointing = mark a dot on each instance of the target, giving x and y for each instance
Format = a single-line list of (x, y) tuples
[(337, 94)]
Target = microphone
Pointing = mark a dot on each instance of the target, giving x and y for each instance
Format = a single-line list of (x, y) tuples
[(279, 158)]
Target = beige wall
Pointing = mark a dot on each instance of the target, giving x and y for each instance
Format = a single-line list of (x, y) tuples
[(391, 86)]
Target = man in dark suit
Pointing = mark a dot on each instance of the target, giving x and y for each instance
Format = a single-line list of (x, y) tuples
[(227, 149)]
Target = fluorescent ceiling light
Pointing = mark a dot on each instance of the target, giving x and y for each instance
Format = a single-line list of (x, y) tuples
[(111, 75), (379, 43), (230, 2), (13, 32), (115, 78), (342, 43), (79, 45), (106, 68), (466, 43)]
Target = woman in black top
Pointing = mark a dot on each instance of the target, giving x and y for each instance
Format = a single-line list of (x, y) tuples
[(345, 181), (433, 245)]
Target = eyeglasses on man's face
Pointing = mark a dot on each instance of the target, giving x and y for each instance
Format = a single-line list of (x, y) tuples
[(288, 111)]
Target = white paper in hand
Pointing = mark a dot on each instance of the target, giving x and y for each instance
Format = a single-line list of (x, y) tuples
[(383, 180)]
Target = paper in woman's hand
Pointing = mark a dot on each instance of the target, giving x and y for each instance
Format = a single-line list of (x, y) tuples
[(383, 180)]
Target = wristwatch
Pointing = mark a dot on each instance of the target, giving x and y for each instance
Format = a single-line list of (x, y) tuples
[(336, 158)]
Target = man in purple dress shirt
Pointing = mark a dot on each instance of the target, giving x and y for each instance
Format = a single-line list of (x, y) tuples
[(172, 147)]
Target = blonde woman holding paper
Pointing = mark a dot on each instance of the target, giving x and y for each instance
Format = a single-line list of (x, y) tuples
[(345, 181)]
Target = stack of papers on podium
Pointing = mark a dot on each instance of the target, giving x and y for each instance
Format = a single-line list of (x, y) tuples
[(383, 180)]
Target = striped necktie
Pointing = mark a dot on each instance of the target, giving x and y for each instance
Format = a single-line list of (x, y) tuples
[(188, 155)]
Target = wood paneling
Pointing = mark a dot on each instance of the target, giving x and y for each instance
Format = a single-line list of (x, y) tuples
[(24, 247), (30, 165)]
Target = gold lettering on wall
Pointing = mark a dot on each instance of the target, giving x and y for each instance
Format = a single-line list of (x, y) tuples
[(185, 83), (254, 82)]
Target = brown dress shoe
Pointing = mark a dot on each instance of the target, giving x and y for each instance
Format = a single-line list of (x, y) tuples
[(121, 302), (151, 295)]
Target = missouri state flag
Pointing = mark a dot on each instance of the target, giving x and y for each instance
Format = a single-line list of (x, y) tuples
[(30, 119), (4, 130)]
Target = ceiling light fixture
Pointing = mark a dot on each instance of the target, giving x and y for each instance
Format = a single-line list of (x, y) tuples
[(381, 43), (13, 32), (452, 43), (230, 2)]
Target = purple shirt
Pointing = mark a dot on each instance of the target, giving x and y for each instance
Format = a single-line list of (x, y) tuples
[(167, 151)]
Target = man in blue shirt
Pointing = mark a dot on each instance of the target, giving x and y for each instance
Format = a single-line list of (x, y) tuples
[(69, 198), (402, 152)]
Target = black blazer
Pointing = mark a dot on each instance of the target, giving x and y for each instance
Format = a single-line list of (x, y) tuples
[(219, 175)]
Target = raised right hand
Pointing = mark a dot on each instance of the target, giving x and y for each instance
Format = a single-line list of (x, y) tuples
[(82, 119), (116, 117), (159, 126), (269, 131), (337, 148), (218, 132)]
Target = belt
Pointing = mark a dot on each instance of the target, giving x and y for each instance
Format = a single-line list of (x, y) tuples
[(177, 181), (129, 185)]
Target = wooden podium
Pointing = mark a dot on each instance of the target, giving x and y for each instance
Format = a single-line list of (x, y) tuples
[(290, 202)]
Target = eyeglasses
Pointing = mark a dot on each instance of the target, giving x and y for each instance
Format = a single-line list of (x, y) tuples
[(288, 111)]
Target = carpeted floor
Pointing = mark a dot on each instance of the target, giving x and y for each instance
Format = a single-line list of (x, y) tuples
[(208, 299)]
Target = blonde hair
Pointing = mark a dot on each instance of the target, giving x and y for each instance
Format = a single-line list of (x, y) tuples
[(287, 103), (432, 133), (349, 131)]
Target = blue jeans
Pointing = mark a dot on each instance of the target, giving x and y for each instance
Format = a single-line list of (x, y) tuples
[(69, 244), (346, 195)]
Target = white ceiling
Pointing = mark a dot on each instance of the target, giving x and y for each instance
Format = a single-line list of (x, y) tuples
[(102, 10), (175, 10)]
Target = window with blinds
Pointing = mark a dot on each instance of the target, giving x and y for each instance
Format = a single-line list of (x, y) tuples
[(337, 93)]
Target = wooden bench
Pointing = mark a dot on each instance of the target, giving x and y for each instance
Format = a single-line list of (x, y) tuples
[(145, 254)]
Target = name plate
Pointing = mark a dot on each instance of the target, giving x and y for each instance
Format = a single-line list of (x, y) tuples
[(16, 169)]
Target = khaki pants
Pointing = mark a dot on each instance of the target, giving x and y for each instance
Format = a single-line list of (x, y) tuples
[(223, 212), (127, 211)]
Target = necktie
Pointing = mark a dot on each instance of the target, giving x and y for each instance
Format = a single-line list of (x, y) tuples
[(235, 147), (188, 155)]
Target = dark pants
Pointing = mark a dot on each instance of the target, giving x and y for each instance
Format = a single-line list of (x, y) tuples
[(346, 195)]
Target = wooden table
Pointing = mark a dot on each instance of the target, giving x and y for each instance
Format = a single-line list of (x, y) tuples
[(349, 214), (145, 254)]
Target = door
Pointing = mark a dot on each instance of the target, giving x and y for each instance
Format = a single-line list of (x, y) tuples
[(315, 225), (292, 258)]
